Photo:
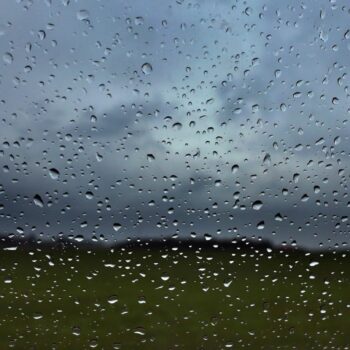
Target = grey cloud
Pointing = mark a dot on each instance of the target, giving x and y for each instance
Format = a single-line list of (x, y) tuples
[(95, 69)]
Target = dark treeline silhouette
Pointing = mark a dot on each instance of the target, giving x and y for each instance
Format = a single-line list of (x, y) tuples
[(13, 242)]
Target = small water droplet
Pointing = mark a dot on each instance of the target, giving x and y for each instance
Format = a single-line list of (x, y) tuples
[(234, 168), (7, 58), (89, 195), (257, 205), (112, 299), (37, 316), (177, 126), (164, 277), (260, 225), (139, 331), (38, 201), (82, 15), (76, 331), (150, 157), (117, 227)]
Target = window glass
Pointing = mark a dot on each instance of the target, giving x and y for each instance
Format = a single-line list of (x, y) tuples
[(174, 174)]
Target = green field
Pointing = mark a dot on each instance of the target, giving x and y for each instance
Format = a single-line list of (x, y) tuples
[(168, 298)]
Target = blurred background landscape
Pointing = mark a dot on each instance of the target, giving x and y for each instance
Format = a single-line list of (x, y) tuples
[(174, 174)]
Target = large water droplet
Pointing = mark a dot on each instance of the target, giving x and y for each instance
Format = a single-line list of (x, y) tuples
[(54, 173), (146, 68)]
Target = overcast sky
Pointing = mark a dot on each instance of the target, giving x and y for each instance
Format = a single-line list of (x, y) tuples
[(161, 118)]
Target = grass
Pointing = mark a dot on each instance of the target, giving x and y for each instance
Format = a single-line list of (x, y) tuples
[(163, 298)]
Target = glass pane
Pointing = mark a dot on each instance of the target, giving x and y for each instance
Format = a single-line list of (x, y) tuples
[(174, 174)]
